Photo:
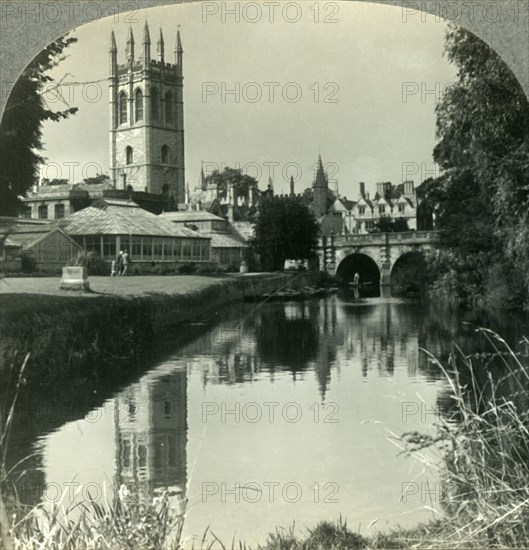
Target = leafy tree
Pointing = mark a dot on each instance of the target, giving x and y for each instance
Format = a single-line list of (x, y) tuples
[(55, 181), (21, 126), (95, 180), (285, 229), (390, 225), (482, 199), (241, 182)]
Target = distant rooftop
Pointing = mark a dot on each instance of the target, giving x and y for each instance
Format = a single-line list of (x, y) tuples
[(191, 216), (120, 217)]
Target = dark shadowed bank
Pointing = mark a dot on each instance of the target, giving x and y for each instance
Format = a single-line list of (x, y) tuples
[(90, 338)]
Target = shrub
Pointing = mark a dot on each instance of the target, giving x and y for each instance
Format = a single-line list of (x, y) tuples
[(29, 264), (93, 262), (187, 269)]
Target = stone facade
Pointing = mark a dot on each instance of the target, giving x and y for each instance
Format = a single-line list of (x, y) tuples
[(147, 120)]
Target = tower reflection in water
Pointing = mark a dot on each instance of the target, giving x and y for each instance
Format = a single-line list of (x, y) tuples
[(151, 436)]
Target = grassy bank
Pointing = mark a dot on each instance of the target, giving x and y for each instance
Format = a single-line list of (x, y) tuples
[(89, 337)]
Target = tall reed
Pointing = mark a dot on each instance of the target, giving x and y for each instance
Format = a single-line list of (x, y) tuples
[(485, 471)]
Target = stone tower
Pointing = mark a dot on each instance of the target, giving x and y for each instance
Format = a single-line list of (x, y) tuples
[(147, 119), (320, 188)]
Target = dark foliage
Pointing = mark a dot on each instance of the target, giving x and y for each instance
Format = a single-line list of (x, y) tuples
[(285, 229), (241, 182), (21, 127), (482, 199), (390, 225), (93, 262)]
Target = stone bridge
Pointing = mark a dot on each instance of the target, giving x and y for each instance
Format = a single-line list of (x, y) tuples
[(382, 250)]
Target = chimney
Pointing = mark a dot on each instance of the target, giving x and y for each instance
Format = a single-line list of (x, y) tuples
[(362, 189), (230, 212), (408, 187), (380, 188)]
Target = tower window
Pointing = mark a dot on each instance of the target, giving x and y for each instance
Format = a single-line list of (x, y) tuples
[(155, 105), (129, 155), (169, 113), (138, 105), (122, 108), (165, 154)]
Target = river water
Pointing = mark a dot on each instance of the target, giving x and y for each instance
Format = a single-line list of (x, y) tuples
[(272, 415)]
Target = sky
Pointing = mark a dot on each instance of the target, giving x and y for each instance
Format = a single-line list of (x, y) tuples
[(356, 83)]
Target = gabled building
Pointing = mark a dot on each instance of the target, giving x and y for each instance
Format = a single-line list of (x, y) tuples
[(109, 226), (227, 245), (35, 245), (55, 202)]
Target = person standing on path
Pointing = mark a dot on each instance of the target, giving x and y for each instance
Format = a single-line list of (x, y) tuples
[(119, 262), (126, 261)]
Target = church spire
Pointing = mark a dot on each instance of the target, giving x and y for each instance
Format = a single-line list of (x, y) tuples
[(161, 48), (320, 191), (130, 47), (202, 178), (271, 185), (321, 177), (146, 45)]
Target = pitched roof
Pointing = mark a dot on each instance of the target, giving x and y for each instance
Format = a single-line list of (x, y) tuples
[(115, 217), (191, 216), (55, 191), (96, 187), (29, 238), (363, 201), (331, 224), (9, 243), (224, 240)]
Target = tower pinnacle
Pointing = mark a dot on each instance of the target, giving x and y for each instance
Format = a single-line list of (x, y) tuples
[(179, 53), (179, 42), (161, 48), (130, 46), (146, 45), (146, 34), (113, 45)]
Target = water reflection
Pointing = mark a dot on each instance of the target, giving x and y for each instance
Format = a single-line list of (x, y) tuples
[(151, 435), (361, 356)]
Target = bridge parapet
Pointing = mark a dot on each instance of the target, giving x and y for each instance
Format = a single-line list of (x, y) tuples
[(403, 237)]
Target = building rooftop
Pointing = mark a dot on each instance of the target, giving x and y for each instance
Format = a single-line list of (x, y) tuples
[(191, 216), (224, 240), (55, 191), (118, 217)]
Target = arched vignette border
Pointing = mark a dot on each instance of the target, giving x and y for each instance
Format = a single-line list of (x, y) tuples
[(21, 40)]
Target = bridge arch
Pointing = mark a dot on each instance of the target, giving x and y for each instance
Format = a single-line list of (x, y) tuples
[(361, 263), (408, 273)]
